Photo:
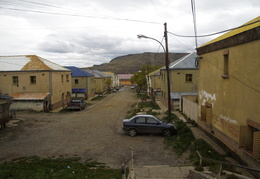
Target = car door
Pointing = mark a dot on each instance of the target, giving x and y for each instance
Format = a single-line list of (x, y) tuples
[(152, 125), (140, 124)]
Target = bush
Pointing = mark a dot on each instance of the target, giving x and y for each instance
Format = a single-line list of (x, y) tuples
[(183, 140)]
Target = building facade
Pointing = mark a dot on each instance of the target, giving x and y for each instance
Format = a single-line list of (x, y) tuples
[(183, 80), (82, 83), (34, 83), (229, 91)]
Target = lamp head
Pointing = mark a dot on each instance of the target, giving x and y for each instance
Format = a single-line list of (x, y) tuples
[(139, 36)]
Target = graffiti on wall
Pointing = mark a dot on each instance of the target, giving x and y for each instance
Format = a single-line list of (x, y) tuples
[(228, 126), (204, 96)]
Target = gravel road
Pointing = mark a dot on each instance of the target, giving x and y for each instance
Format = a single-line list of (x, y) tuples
[(93, 133)]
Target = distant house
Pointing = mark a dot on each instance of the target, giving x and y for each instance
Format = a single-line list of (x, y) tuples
[(154, 84), (229, 89), (101, 80), (124, 79), (115, 79), (183, 79), (34, 83), (83, 83)]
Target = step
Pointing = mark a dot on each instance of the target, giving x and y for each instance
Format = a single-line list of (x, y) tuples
[(162, 172)]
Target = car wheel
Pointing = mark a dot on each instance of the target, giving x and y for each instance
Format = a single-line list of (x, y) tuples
[(132, 132), (167, 133)]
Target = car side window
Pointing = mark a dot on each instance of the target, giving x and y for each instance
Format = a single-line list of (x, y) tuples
[(140, 120), (151, 121)]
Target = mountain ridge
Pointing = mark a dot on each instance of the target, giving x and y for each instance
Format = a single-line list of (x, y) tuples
[(131, 63)]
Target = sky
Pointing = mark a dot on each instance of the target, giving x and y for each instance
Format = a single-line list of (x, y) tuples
[(84, 33)]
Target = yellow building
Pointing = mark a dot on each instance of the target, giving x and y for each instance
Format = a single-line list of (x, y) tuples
[(83, 83), (124, 79), (101, 80), (229, 89), (34, 83), (114, 78), (183, 80)]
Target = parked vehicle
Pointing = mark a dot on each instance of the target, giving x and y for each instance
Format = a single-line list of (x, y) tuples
[(76, 103), (148, 124)]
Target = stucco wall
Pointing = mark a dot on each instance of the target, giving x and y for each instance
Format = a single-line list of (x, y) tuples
[(27, 105), (232, 100), (189, 108)]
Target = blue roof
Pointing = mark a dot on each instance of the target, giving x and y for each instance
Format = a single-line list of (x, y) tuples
[(76, 72), (97, 74), (79, 90)]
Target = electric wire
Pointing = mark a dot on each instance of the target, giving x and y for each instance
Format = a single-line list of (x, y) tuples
[(234, 77), (215, 33), (17, 7)]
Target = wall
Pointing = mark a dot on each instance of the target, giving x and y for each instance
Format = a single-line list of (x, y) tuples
[(189, 108), (27, 105), (178, 82), (24, 84), (227, 104), (60, 89)]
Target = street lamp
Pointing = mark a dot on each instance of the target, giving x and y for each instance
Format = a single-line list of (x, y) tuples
[(165, 49)]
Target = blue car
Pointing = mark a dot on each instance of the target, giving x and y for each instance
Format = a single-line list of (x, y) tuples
[(148, 124)]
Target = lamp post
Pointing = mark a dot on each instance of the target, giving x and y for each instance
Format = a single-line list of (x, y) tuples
[(165, 49)]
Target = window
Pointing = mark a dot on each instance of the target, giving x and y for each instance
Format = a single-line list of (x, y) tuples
[(67, 78), (226, 62), (15, 80), (33, 79), (188, 78), (76, 81), (140, 120), (151, 121), (62, 80)]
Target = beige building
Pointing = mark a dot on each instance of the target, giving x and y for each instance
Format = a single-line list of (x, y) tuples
[(183, 80), (101, 80), (229, 91), (114, 78), (83, 83), (34, 83)]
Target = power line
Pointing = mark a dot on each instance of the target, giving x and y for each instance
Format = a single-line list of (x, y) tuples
[(78, 15), (215, 33)]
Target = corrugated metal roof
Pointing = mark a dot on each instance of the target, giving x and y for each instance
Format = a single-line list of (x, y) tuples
[(186, 62), (29, 96), (27, 63), (97, 74), (77, 72), (124, 76), (234, 32)]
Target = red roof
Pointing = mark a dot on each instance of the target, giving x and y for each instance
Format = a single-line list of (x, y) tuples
[(29, 96), (124, 76)]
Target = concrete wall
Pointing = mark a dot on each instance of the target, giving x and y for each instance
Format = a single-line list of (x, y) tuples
[(27, 105), (190, 108), (178, 82), (226, 104), (57, 83)]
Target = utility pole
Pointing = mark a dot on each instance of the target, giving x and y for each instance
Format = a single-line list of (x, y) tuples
[(167, 71)]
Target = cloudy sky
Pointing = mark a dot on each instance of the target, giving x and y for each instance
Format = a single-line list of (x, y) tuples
[(83, 33)]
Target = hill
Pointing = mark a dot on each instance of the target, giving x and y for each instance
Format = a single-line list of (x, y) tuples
[(132, 63)]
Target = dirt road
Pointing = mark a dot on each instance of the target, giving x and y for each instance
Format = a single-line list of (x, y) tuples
[(94, 133)]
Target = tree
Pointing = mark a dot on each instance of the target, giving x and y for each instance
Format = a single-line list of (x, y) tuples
[(139, 78)]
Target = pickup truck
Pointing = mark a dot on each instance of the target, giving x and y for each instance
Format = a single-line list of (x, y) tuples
[(76, 103)]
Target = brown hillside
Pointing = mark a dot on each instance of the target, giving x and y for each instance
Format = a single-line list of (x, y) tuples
[(133, 62)]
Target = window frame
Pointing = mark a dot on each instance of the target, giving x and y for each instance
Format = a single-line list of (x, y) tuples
[(188, 78), (15, 80), (32, 79)]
